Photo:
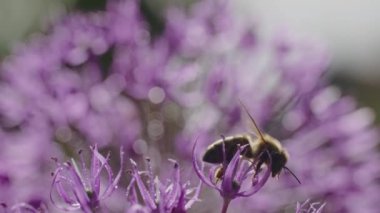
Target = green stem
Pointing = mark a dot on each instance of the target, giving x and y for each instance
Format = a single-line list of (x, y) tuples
[(226, 203)]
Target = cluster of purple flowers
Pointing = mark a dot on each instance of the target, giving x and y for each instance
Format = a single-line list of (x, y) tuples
[(81, 189), (169, 196), (101, 79)]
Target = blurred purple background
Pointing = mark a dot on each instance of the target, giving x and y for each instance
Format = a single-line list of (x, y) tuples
[(152, 77)]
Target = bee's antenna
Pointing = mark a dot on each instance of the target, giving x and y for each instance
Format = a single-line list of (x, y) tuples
[(257, 130), (290, 171)]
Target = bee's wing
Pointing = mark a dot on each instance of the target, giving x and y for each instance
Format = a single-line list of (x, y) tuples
[(252, 122), (274, 123)]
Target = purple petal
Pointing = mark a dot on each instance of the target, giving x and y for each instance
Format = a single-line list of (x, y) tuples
[(24, 207), (95, 168), (79, 188), (98, 163), (144, 192), (319, 210), (84, 206), (248, 170), (195, 196), (85, 171), (180, 207), (199, 172), (230, 173), (300, 206), (258, 185), (62, 193), (244, 168), (76, 185), (306, 207), (131, 192), (113, 185), (151, 177), (172, 197)]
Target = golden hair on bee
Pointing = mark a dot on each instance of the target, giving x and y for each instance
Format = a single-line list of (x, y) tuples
[(265, 149)]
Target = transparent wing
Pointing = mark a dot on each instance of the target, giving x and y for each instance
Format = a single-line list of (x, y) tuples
[(252, 124)]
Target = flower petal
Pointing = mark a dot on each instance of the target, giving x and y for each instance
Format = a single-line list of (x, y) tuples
[(143, 190), (97, 164), (199, 172), (195, 196), (151, 177), (79, 189), (131, 192), (56, 183), (113, 185), (24, 207), (229, 175), (173, 195), (259, 184)]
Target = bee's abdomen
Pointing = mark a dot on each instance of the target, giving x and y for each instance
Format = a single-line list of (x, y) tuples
[(214, 154)]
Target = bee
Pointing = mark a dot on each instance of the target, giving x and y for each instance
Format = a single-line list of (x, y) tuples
[(265, 149)]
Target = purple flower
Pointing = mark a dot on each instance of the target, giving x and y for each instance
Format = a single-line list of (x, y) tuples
[(169, 196), (82, 189), (233, 175), (66, 83), (101, 78), (56, 90), (24, 208), (307, 207)]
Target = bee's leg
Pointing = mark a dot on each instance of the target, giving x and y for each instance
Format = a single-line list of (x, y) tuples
[(262, 158), (219, 173), (245, 152), (258, 167)]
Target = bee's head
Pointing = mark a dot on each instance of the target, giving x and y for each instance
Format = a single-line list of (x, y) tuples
[(278, 162)]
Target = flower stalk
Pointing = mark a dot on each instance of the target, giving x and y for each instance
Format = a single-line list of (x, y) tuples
[(226, 203)]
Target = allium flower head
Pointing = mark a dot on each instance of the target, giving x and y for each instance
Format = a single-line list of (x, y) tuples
[(23, 208), (307, 207), (171, 196), (233, 175), (81, 189)]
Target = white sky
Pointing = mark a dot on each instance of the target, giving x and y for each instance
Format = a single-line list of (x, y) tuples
[(350, 28)]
